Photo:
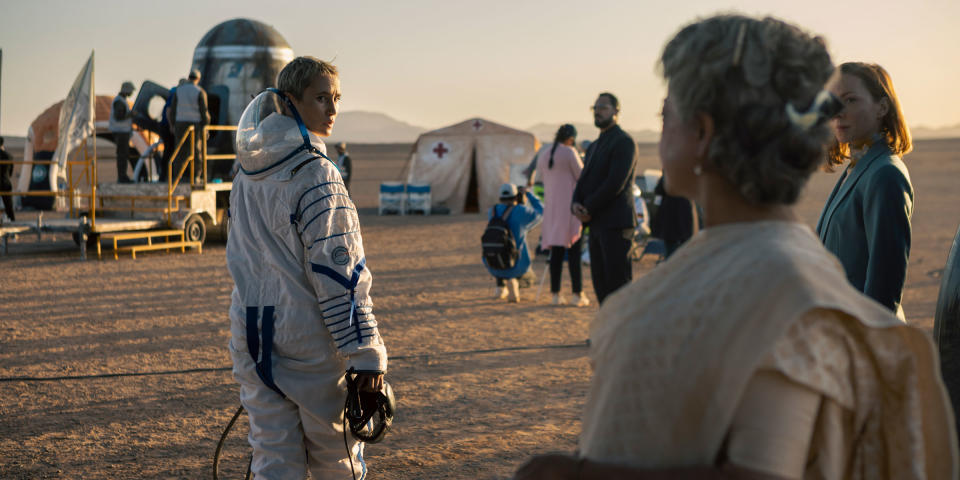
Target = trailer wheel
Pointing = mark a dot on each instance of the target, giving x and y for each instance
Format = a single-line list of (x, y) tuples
[(195, 230)]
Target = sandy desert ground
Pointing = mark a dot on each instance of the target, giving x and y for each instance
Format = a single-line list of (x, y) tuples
[(143, 345)]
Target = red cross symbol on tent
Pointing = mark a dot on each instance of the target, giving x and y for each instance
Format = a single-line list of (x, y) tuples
[(440, 150), (477, 124)]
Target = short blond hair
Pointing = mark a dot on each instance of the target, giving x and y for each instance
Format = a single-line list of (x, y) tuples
[(297, 75)]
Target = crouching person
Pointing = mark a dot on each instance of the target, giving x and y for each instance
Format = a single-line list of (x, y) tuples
[(300, 313), (505, 252)]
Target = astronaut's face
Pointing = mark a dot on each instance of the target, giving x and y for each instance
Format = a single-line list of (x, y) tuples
[(320, 104)]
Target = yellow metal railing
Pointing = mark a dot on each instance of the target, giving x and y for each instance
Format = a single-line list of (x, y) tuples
[(172, 183), (190, 135), (88, 177), (216, 157), (72, 185)]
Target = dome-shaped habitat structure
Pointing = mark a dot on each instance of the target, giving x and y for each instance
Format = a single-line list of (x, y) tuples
[(237, 59)]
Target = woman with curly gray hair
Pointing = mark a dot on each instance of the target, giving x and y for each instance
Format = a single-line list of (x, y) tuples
[(747, 354)]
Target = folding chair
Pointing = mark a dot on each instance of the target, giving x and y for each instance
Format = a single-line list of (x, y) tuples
[(418, 198), (654, 246), (391, 198)]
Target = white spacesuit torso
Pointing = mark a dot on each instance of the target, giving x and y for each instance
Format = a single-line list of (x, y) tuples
[(294, 245)]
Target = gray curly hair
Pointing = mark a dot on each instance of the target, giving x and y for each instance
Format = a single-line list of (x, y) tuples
[(743, 72)]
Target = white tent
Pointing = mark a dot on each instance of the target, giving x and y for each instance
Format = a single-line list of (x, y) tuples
[(466, 163)]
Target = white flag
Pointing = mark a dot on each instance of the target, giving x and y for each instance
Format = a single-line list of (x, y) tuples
[(76, 124)]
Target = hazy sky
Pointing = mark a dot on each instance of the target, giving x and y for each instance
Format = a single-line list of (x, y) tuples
[(435, 62)]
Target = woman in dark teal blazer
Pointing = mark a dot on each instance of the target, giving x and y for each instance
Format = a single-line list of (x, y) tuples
[(866, 221)]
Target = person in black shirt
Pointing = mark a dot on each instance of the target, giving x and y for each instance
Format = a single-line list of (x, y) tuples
[(603, 199), (676, 219), (6, 185)]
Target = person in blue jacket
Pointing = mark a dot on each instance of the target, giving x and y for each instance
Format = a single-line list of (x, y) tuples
[(526, 214), (866, 221)]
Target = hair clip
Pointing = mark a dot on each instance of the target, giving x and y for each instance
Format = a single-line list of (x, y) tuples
[(824, 105)]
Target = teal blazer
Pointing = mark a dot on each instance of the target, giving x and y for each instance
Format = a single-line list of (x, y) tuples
[(866, 224)]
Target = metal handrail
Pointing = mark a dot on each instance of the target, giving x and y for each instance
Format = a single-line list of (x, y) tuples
[(89, 174), (221, 156), (188, 162)]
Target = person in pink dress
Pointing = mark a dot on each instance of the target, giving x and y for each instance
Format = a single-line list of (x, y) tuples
[(560, 167)]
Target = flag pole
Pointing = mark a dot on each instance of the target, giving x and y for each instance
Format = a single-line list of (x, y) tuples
[(1, 83), (93, 101)]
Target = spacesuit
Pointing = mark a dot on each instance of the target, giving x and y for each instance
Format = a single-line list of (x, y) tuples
[(300, 312)]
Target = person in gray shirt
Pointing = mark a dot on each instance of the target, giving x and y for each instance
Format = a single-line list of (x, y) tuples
[(189, 107)]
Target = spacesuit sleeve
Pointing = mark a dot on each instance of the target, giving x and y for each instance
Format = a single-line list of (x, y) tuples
[(327, 223)]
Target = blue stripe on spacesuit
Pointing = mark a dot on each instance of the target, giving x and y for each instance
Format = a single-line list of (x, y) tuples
[(348, 283), (263, 365), (331, 236), (363, 322), (321, 213), (304, 209), (253, 333), (351, 285), (344, 319), (336, 306), (358, 329), (347, 317), (363, 465), (360, 311), (278, 162), (358, 339), (337, 314), (314, 188), (332, 298)]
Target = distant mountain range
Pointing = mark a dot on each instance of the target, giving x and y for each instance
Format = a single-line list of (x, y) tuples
[(375, 127), (921, 132)]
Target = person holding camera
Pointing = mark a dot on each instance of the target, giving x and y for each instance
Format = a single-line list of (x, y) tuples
[(521, 210)]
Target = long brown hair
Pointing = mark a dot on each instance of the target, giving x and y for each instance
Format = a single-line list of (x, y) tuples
[(893, 126)]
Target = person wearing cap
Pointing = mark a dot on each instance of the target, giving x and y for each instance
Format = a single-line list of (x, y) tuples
[(121, 126), (344, 164), (189, 107), (522, 217)]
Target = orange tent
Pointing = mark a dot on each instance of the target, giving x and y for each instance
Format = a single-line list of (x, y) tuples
[(46, 126)]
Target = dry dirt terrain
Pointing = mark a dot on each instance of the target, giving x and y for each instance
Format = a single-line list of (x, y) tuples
[(119, 369)]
